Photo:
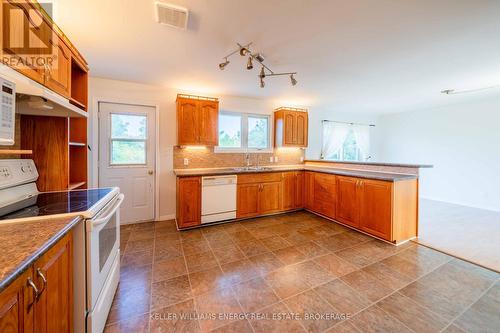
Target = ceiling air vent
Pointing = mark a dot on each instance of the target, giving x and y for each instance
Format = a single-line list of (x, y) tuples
[(171, 15)]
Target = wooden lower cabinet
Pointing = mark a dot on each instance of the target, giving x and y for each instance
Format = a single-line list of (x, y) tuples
[(309, 190), (324, 192), (247, 204), (293, 190), (259, 194), (50, 307), (188, 202), (53, 272), (348, 201), (16, 305)]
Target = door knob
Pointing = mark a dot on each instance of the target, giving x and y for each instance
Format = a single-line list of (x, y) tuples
[(150, 172)]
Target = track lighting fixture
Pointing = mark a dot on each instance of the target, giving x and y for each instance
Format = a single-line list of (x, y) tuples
[(249, 63), (223, 65), (244, 50), (262, 73)]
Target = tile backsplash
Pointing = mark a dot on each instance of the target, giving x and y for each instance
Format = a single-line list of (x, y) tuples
[(206, 158)]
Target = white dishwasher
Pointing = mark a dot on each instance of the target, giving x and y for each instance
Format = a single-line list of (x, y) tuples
[(218, 198)]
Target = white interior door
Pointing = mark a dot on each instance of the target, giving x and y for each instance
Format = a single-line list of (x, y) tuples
[(127, 157)]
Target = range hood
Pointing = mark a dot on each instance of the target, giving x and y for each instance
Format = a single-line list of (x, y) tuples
[(34, 99)]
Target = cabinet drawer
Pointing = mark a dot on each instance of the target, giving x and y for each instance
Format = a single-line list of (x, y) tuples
[(259, 178)]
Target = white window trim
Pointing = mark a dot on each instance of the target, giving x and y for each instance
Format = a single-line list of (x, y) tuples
[(244, 135)]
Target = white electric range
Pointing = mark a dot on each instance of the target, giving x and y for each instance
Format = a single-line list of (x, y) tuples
[(96, 249)]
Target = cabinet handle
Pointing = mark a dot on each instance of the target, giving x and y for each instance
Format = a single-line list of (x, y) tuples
[(40, 274), (35, 291)]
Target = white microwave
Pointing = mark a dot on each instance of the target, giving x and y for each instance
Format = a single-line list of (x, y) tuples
[(7, 112)]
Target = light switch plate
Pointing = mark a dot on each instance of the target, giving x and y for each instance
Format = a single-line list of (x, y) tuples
[(271, 159), (186, 161), (275, 159)]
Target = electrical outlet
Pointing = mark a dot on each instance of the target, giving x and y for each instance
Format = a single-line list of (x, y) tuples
[(271, 159), (186, 161), (275, 159), (301, 158)]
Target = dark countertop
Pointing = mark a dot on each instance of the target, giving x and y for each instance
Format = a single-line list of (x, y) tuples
[(21, 243), (400, 165), (343, 172)]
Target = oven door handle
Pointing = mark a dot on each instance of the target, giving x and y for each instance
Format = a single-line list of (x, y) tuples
[(104, 219)]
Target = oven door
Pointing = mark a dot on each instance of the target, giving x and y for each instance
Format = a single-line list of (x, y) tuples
[(103, 243)]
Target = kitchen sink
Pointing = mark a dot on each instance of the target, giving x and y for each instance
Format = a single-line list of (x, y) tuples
[(259, 168)]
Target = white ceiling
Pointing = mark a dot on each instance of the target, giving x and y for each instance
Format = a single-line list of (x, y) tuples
[(377, 56)]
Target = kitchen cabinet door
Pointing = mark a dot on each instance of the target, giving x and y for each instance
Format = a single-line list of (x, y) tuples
[(208, 123), (376, 208), (53, 274), (247, 200), (324, 187), (290, 135), (348, 200), (58, 74), (299, 189), (309, 190), (14, 16), (301, 123), (17, 305), (188, 201), (289, 190), (270, 198), (187, 122)]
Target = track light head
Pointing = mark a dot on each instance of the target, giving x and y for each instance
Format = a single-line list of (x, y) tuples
[(249, 63), (262, 73), (223, 65), (293, 80), (244, 51), (262, 83)]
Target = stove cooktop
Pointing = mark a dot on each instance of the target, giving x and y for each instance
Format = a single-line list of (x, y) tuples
[(56, 203)]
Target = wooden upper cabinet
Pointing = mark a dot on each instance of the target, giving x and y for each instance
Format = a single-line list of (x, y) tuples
[(17, 305), (14, 17), (53, 273), (197, 121), (188, 201), (290, 127), (348, 200), (376, 208), (209, 123), (187, 120), (58, 73)]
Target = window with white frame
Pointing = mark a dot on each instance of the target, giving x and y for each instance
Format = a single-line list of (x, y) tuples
[(128, 139), (243, 132), (345, 142)]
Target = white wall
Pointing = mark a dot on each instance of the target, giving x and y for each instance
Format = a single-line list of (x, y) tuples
[(129, 92), (313, 151), (461, 141)]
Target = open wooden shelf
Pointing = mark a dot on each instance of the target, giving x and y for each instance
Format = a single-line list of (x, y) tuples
[(73, 186), (16, 152)]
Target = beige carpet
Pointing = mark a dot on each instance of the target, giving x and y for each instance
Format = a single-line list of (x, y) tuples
[(468, 233)]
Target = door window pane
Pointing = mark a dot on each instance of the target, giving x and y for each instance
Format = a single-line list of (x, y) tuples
[(258, 133), (125, 126), (128, 152), (229, 130)]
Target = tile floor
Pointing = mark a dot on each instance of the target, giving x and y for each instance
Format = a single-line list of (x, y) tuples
[(465, 232), (294, 273)]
